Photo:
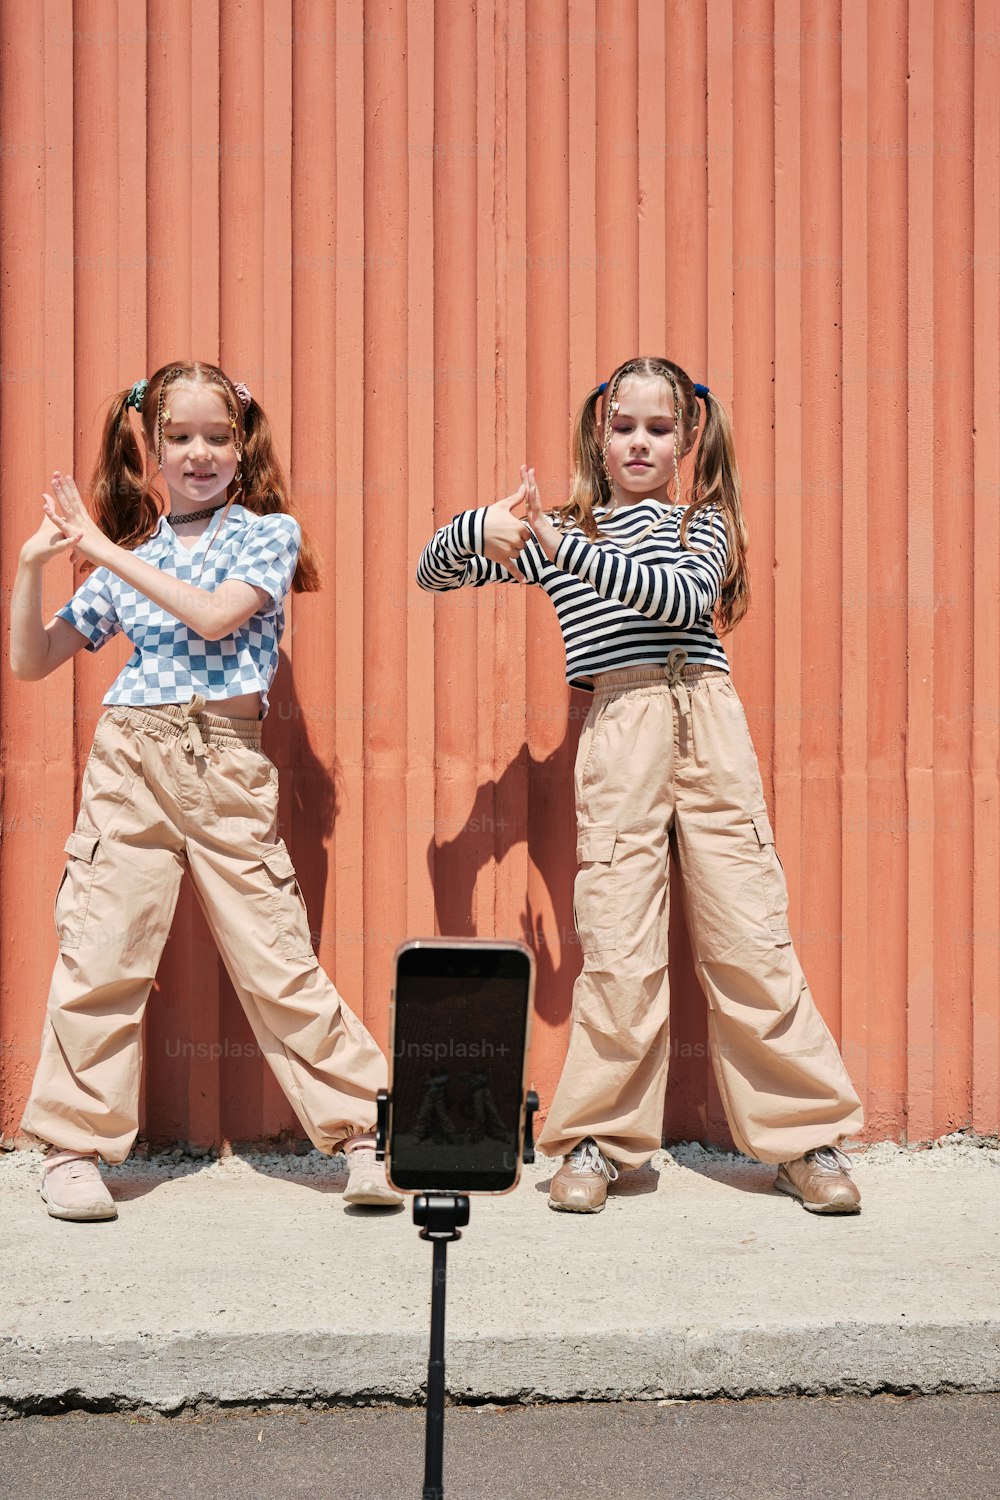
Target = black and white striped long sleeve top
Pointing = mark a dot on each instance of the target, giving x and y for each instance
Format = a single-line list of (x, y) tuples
[(626, 600)]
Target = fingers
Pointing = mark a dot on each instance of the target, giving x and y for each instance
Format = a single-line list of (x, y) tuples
[(49, 507), (71, 509), (57, 543), (71, 534), (54, 514), (531, 488), (65, 487), (506, 560), (511, 549)]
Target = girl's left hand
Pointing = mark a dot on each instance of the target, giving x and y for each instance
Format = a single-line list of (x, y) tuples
[(68, 512), (547, 536)]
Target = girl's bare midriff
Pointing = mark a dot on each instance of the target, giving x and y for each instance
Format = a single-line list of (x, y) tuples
[(246, 706)]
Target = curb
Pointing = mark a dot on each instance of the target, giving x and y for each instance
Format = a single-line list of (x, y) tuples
[(196, 1372)]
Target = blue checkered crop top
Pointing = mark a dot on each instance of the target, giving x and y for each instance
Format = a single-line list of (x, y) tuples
[(171, 661)]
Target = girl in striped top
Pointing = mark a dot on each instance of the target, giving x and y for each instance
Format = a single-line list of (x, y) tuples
[(644, 585)]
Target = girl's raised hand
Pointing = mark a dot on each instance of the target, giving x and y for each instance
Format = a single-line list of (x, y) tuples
[(547, 536), (68, 513), (505, 534), (46, 543)]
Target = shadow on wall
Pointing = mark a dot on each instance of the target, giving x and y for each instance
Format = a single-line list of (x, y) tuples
[(530, 802), (539, 791)]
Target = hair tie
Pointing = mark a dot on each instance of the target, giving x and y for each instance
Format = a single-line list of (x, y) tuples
[(700, 390), (602, 387), (135, 395), (243, 391)]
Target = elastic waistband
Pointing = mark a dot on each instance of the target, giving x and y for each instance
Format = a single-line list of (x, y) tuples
[(660, 676), (175, 718)]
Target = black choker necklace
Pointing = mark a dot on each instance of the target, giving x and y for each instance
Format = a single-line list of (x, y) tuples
[(195, 515)]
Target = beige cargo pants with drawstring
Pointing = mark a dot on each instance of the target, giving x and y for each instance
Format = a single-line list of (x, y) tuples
[(668, 749), (170, 789)]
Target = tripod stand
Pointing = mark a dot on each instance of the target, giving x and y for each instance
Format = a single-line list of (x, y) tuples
[(441, 1217)]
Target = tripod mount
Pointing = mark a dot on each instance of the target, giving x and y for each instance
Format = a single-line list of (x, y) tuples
[(441, 1217)]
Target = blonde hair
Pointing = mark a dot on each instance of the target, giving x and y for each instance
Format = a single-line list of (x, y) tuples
[(716, 476)]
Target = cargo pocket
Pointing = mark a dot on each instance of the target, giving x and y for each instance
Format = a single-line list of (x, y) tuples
[(594, 903), (73, 896), (773, 877), (289, 909)]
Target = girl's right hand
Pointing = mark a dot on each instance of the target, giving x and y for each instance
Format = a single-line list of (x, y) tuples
[(504, 535), (46, 543)]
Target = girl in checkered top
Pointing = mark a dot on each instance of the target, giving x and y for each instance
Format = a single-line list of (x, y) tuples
[(177, 780)]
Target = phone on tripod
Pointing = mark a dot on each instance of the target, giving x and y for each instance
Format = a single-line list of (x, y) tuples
[(460, 1022)]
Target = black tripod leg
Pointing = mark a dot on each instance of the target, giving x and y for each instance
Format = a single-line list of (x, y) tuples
[(434, 1448)]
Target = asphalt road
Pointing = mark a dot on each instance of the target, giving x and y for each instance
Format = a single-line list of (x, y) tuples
[(806, 1448)]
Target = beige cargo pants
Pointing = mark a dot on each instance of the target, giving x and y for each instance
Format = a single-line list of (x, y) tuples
[(170, 789), (669, 749)]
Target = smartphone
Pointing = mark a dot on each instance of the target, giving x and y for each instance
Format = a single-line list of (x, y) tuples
[(459, 1033)]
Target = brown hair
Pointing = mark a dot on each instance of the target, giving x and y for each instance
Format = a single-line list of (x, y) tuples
[(124, 502), (716, 477)]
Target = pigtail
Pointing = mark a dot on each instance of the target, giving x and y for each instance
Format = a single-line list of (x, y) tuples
[(717, 482), (260, 486), (591, 486), (123, 501)]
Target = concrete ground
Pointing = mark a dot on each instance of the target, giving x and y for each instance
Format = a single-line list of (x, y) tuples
[(246, 1280)]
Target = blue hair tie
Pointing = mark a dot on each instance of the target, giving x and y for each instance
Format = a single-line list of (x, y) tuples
[(135, 395), (700, 390), (602, 387)]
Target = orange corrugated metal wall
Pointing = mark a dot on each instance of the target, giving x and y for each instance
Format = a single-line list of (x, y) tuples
[(420, 230)]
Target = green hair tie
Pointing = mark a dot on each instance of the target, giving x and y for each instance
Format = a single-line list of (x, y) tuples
[(136, 394)]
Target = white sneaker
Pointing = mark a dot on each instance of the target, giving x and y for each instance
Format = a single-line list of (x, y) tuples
[(367, 1183), (72, 1188)]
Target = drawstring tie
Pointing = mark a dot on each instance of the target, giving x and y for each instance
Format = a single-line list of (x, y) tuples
[(191, 738), (675, 681)]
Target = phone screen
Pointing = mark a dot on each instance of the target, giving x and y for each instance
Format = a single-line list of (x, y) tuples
[(460, 1020)]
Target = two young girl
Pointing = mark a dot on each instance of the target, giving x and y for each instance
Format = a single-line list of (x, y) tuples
[(639, 580), (177, 781)]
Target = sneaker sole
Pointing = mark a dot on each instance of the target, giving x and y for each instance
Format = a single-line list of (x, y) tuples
[(372, 1200), (571, 1208), (78, 1215), (816, 1208)]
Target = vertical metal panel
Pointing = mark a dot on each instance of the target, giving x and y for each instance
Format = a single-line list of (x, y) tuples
[(919, 629), (421, 230), (855, 885), (882, 381), (955, 645), (983, 935), (36, 434), (386, 572)]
